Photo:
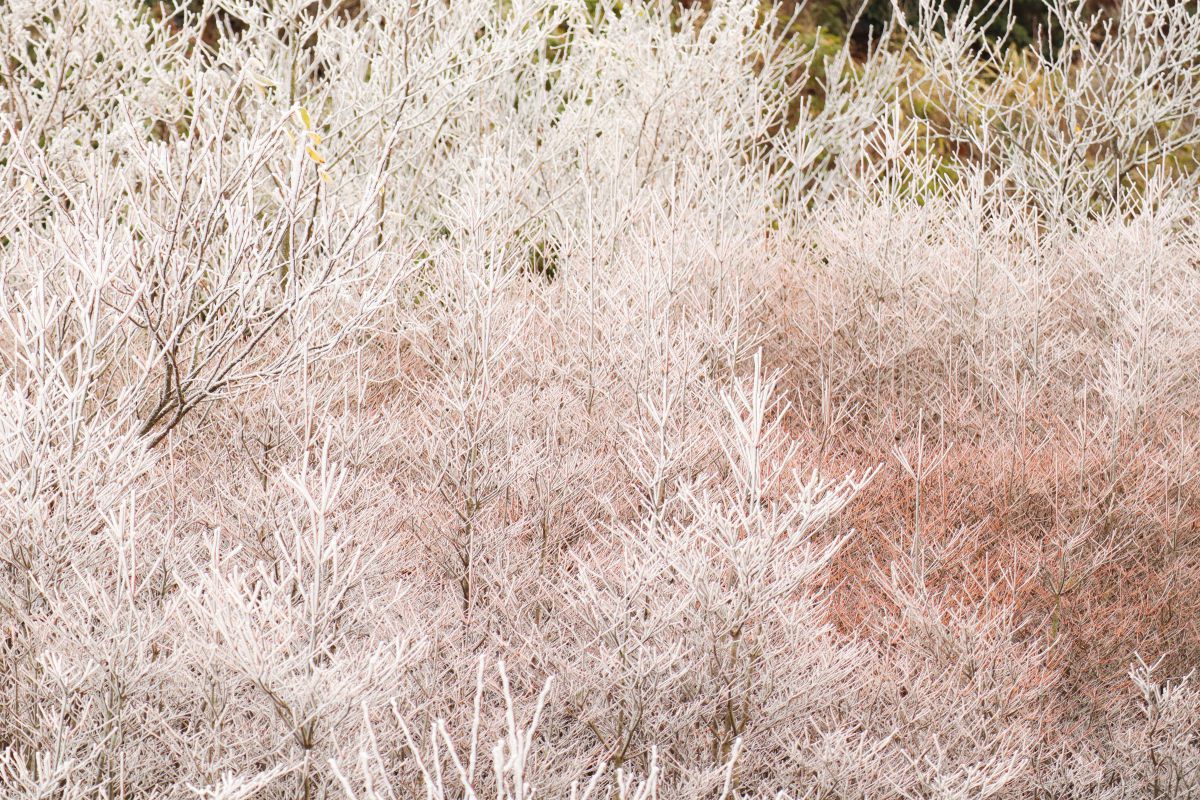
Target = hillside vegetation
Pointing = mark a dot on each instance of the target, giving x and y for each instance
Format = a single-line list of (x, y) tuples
[(597, 399)]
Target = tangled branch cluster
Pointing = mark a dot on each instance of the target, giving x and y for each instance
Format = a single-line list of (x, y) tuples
[(587, 399)]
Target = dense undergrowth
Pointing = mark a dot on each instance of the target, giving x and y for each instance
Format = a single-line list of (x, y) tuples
[(532, 399)]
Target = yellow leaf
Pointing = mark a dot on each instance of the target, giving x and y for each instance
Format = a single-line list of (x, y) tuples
[(304, 118), (314, 137), (324, 175), (314, 155)]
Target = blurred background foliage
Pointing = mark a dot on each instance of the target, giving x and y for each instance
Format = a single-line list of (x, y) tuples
[(1027, 17), (1022, 23), (859, 20)]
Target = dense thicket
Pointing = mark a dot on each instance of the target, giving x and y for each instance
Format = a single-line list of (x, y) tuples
[(596, 399)]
